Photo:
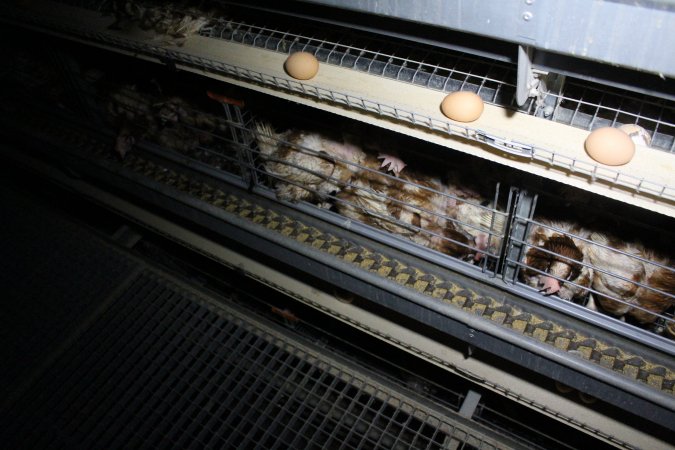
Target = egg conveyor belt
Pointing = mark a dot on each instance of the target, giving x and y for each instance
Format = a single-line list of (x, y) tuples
[(520, 141)]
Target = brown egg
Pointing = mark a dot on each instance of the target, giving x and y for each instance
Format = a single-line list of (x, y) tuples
[(462, 106), (301, 65), (638, 134), (610, 146)]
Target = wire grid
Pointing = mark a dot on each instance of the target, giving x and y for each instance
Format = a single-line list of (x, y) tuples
[(580, 105), (163, 370), (445, 394), (447, 71), (564, 164), (662, 320), (344, 344), (589, 107)]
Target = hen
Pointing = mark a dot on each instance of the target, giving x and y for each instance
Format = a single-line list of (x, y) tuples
[(173, 22), (171, 122), (475, 216), (557, 260), (413, 205), (631, 280), (306, 166), (132, 113)]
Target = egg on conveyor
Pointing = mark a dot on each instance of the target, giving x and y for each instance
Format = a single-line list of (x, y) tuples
[(610, 146), (462, 106), (302, 65)]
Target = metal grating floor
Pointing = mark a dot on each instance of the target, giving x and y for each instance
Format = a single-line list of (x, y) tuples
[(45, 281), (157, 366)]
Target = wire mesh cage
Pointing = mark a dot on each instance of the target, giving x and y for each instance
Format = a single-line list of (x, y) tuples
[(590, 106), (175, 124), (624, 273), (401, 196), (355, 179), (427, 207), (444, 71), (370, 182)]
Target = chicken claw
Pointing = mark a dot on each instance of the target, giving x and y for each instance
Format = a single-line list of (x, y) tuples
[(550, 286), (392, 163), (481, 242)]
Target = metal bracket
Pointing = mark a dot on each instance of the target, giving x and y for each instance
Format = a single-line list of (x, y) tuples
[(527, 82), (546, 104), (126, 236), (524, 207), (244, 139), (532, 83), (469, 404), (537, 83), (506, 145), (467, 410)]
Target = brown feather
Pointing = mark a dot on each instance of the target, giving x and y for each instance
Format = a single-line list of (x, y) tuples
[(306, 166), (410, 205), (656, 281), (564, 262)]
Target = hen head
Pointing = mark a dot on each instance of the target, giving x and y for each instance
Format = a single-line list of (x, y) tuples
[(559, 258)]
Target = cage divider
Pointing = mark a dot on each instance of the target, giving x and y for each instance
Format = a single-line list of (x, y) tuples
[(523, 209)]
